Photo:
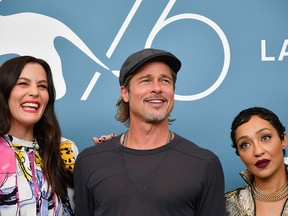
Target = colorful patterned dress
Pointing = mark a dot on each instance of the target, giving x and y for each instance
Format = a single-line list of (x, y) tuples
[(23, 186)]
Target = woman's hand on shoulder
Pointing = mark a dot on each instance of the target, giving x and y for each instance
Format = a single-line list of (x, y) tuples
[(103, 138)]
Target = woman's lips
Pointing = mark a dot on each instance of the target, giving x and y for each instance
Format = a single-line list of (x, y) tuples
[(262, 163)]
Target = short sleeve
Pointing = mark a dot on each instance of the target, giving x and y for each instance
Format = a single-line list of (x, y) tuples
[(68, 152)]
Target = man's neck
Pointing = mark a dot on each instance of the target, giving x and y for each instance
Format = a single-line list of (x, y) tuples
[(147, 137)]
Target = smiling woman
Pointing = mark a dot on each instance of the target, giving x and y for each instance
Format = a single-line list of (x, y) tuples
[(36, 162), (260, 141), (28, 99)]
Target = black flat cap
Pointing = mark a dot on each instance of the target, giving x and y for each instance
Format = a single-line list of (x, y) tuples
[(137, 59)]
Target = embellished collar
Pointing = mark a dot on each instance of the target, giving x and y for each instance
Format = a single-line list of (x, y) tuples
[(248, 177)]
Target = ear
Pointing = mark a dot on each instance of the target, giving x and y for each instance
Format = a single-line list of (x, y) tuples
[(284, 141), (125, 94)]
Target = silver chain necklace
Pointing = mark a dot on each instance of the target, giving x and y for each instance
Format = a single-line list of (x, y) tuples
[(124, 143)]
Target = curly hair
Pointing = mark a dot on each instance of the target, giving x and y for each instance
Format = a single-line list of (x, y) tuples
[(245, 115)]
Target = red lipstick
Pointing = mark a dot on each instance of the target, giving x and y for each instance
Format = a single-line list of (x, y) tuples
[(262, 163)]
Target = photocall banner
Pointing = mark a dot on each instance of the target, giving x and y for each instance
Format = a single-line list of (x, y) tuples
[(234, 55)]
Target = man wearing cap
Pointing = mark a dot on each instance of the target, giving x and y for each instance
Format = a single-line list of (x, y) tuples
[(148, 170)]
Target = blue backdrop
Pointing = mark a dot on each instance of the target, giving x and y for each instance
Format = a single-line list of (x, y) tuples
[(234, 55)]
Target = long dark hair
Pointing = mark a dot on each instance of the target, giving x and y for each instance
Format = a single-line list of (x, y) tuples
[(47, 131), (245, 115)]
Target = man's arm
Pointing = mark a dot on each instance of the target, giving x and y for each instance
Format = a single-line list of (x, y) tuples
[(83, 199), (212, 199)]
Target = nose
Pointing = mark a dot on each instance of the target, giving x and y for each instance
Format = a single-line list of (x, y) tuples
[(156, 87), (258, 150), (33, 91)]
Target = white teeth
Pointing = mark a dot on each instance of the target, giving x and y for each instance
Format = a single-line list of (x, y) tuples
[(156, 101), (32, 105)]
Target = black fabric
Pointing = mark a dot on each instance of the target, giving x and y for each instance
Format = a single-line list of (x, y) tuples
[(137, 59), (179, 178)]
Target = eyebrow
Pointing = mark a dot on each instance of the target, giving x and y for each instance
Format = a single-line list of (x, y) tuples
[(151, 75), (40, 81), (257, 132)]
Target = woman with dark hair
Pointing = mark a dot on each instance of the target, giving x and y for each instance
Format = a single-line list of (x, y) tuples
[(36, 163), (260, 141)]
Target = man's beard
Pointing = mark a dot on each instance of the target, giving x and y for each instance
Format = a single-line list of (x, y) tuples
[(151, 117)]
